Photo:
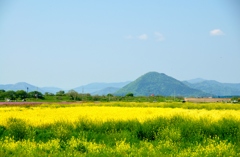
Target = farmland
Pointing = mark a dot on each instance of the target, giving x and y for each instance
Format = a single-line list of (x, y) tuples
[(120, 129)]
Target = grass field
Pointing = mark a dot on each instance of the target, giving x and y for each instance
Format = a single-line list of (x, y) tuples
[(120, 129)]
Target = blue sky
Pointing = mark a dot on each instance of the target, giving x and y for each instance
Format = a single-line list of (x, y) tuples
[(71, 43)]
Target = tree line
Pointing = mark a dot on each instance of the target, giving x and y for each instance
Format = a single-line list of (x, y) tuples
[(72, 95), (19, 95)]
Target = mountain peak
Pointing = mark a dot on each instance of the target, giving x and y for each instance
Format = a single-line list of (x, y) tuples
[(154, 73)]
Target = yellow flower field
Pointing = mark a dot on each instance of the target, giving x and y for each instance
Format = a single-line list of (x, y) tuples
[(47, 115), (120, 129)]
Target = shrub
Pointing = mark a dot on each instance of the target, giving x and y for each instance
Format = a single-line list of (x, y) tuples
[(17, 128)]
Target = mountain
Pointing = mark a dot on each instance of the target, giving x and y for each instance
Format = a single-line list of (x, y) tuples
[(150, 83), (105, 91), (159, 84), (216, 88), (21, 86), (28, 87), (94, 87)]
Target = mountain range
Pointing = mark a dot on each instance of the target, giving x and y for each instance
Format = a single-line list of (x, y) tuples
[(21, 86), (147, 84), (100, 87), (216, 88), (92, 88)]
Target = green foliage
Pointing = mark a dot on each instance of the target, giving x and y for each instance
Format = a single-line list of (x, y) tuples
[(235, 99), (184, 133), (35, 94), (10, 95), (60, 93), (81, 148), (43, 133), (129, 94), (2, 94), (2, 129), (73, 94), (110, 95), (17, 128), (21, 94), (48, 94)]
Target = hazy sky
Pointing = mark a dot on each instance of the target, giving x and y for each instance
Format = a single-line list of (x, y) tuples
[(71, 43)]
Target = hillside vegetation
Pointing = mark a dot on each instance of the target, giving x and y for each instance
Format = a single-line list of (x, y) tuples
[(159, 84)]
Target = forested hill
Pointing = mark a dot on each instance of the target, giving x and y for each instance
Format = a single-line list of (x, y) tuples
[(159, 84)]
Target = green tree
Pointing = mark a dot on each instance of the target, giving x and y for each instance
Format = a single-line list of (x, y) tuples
[(235, 99), (109, 95), (10, 95), (48, 94), (60, 93), (96, 98), (2, 94), (21, 94), (73, 94), (129, 94), (35, 94)]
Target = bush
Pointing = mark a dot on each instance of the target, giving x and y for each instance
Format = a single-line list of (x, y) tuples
[(17, 128), (129, 94)]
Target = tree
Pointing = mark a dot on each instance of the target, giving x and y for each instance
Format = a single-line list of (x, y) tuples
[(60, 93), (109, 95), (2, 94), (48, 94), (235, 99), (10, 95), (35, 94), (73, 94), (21, 94), (96, 98), (129, 94)]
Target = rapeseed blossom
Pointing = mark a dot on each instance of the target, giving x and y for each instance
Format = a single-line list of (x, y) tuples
[(47, 115), (167, 139)]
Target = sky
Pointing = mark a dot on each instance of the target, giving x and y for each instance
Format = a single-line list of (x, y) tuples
[(67, 44)]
